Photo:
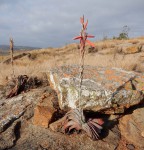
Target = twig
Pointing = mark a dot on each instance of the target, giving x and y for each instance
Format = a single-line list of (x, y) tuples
[(11, 53)]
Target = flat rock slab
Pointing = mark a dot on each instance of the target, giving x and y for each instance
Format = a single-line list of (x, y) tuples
[(103, 89)]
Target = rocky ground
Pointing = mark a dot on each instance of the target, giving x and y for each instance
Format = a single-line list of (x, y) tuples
[(27, 120)]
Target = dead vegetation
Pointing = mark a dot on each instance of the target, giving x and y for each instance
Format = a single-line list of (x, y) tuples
[(23, 83)]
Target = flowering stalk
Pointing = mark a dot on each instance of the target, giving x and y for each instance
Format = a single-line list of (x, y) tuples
[(83, 40)]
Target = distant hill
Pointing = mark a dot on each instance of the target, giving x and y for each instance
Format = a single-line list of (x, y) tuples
[(6, 48)]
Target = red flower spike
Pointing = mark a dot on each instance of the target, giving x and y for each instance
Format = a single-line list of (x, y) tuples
[(81, 41), (82, 20), (85, 26), (83, 36)]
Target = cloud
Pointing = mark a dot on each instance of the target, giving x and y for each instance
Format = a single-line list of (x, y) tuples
[(54, 23)]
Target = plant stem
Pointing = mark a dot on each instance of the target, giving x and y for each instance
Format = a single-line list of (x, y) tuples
[(83, 40), (80, 83)]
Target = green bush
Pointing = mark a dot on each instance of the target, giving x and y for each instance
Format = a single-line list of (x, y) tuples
[(123, 34)]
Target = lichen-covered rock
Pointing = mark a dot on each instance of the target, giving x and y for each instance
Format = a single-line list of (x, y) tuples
[(103, 89), (13, 108), (11, 111), (132, 127)]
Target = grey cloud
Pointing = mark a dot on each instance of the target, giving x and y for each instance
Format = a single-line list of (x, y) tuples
[(47, 23)]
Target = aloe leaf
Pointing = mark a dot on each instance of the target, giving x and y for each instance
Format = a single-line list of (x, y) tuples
[(94, 135), (95, 124)]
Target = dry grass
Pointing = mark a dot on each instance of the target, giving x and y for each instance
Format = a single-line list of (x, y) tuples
[(2, 58), (44, 59)]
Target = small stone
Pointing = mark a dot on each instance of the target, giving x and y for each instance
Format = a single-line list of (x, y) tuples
[(45, 144), (113, 117), (130, 146), (57, 125)]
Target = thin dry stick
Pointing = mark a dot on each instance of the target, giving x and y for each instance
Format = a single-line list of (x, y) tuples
[(11, 53)]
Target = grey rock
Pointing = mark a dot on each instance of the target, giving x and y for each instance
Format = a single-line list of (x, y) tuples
[(15, 107), (103, 88)]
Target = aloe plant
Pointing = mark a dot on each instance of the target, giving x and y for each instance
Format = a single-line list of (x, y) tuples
[(75, 118)]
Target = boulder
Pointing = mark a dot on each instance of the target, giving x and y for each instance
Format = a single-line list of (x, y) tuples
[(110, 90), (132, 127), (122, 46), (44, 110), (129, 48)]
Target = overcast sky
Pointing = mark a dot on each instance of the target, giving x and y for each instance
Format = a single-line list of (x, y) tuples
[(53, 23)]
